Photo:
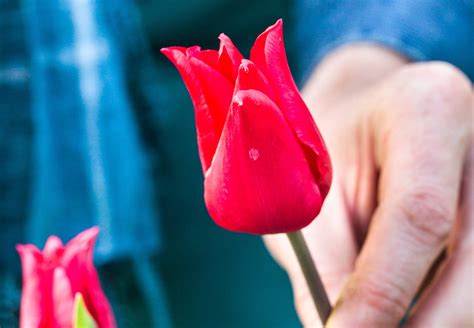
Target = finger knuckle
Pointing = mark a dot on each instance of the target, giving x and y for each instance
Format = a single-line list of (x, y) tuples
[(427, 215), (436, 78), (434, 88), (383, 296)]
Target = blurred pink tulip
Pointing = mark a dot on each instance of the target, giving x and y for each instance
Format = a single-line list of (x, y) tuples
[(52, 278)]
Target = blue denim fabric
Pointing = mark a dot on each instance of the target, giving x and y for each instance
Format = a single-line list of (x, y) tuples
[(90, 168), (421, 30), (9, 299), (15, 132)]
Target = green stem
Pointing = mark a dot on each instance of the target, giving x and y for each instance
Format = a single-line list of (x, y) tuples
[(313, 280)]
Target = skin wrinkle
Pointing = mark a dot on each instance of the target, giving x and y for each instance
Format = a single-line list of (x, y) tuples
[(374, 274), (364, 186), (378, 296), (428, 311)]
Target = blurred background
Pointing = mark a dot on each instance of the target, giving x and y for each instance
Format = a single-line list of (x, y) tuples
[(97, 128)]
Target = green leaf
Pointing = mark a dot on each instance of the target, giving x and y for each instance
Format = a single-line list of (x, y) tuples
[(81, 316)]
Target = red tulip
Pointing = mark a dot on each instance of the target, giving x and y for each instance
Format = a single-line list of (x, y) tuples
[(52, 278), (265, 163)]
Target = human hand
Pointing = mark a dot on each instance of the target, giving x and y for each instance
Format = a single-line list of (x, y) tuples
[(400, 138)]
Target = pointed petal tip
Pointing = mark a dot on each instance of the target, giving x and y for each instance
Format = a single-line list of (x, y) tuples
[(83, 243), (26, 248), (172, 49), (53, 242), (225, 44), (86, 237), (173, 53), (168, 53), (229, 57), (53, 247), (20, 248), (225, 41), (246, 63), (246, 66), (278, 26), (269, 39), (94, 229), (89, 234), (223, 37), (29, 255)]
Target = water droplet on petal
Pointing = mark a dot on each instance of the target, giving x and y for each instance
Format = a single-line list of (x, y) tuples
[(254, 154)]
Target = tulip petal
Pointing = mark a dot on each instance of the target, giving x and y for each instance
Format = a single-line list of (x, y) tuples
[(36, 306), (63, 298), (259, 181), (78, 260), (80, 246), (211, 94), (268, 53), (229, 57), (53, 249), (209, 57), (250, 78)]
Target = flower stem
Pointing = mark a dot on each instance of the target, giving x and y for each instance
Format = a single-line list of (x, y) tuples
[(313, 280)]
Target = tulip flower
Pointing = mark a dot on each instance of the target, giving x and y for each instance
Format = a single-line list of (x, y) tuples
[(265, 163), (266, 167), (55, 277)]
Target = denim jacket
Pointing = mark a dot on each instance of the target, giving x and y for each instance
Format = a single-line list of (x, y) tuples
[(421, 30), (71, 151)]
